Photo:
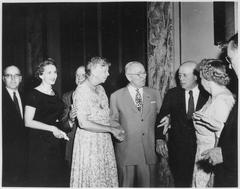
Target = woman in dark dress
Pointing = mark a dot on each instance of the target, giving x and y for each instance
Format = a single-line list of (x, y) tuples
[(43, 109)]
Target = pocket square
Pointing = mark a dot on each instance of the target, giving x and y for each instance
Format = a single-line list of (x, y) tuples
[(153, 102)]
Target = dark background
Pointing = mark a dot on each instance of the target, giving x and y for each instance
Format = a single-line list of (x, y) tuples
[(72, 33)]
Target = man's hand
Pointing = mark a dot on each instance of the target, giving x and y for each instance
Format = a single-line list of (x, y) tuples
[(161, 148), (165, 122), (73, 113), (213, 155)]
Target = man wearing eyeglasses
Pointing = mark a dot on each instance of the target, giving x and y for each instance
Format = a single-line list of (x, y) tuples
[(225, 156), (13, 130), (134, 108)]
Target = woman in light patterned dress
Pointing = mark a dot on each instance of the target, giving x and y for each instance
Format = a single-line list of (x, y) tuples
[(216, 110), (93, 161)]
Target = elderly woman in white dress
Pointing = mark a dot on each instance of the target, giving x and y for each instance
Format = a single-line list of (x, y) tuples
[(93, 161), (216, 110)]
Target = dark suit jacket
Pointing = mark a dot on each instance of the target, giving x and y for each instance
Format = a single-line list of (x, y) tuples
[(182, 138), (174, 104), (14, 135), (67, 99), (226, 172)]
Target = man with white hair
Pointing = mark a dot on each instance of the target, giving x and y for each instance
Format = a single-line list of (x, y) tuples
[(134, 108)]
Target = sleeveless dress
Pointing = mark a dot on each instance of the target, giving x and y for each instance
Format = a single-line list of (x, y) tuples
[(218, 108), (46, 166), (93, 163)]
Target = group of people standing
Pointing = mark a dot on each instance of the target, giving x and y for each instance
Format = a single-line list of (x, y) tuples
[(201, 124), (82, 140)]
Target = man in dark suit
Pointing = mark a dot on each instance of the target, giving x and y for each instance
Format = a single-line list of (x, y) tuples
[(135, 108), (224, 157), (14, 133), (70, 114), (180, 103)]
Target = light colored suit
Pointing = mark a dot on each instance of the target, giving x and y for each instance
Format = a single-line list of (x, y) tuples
[(139, 145)]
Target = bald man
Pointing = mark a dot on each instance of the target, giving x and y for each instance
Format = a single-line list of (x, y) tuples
[(13, 130), (181, 146), (135, 108)]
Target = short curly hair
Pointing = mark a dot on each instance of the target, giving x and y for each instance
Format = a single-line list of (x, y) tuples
[(40, 68), (214, 70), (95, 61)]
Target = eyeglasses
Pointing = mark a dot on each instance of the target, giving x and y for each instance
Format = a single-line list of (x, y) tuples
[(228, 61), (80, 75), (12, 76), (138, 74)]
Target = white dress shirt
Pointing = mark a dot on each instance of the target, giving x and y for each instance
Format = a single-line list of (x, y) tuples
[(132, 91), (195, 91)]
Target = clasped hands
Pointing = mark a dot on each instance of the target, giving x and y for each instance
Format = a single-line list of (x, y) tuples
[(118, 132)]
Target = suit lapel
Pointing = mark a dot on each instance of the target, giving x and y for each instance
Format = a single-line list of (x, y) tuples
[(146, 102), (10, 101), (182, 103), (201, 100)]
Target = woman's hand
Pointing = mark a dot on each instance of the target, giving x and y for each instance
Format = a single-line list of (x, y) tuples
[(73, 113), (118, 133), (206, 121), (59, 134)]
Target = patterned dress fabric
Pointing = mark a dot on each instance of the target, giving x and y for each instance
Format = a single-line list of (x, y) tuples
[(93, 163), (217, 108)]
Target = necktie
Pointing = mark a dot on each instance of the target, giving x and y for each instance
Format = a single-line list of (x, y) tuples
[(138, 100), (15, 100), (190, 105)]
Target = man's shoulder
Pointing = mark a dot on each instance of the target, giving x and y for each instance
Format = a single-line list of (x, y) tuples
[(149, 89), (175, 90), (119, 91), (202, 91)]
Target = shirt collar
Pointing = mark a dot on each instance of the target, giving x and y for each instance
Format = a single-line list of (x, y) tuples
[(11, 91), (130, 87), (195, 90)]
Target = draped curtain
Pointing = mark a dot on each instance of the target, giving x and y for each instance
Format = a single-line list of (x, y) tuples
[(161, 64), (160, 46)]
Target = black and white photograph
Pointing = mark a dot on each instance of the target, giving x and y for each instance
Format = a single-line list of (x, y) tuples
[(102, 94)]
